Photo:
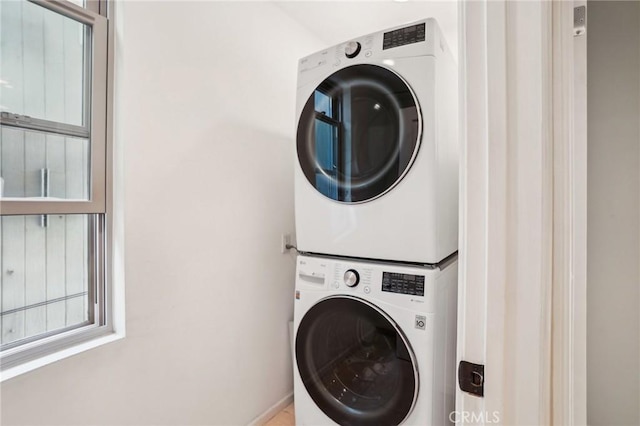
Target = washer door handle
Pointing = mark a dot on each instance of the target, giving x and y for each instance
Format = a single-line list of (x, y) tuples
[(471, 378)]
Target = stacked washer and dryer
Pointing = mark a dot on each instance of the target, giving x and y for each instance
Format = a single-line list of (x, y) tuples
[(376, 203)]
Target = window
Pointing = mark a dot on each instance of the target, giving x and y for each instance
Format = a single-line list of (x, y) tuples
[(54, 207)]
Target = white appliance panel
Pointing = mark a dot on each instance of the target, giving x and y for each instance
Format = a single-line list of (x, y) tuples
[(416, 219), (427, 322)]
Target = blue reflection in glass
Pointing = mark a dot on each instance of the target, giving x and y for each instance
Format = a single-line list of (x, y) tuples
[(326, 158), (323, 104)]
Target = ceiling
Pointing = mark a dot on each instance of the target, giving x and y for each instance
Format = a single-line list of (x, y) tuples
[(334, 22)]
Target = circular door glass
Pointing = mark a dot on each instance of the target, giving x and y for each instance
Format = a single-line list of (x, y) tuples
[(355, 363), (358, 133)]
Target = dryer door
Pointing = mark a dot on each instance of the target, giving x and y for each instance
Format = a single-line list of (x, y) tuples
[(355, 363), (358, 133)]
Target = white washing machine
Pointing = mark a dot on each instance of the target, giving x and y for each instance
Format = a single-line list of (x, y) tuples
[(376, 174), (374, 343)]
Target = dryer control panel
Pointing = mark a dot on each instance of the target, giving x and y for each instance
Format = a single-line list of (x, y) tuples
[(382, 48), (402, 36)]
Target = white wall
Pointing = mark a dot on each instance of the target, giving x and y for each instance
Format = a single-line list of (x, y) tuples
[(205, 121), (613, 277)]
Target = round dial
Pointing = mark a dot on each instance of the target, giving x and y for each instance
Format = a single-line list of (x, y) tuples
[(352, 49), (351, 278)]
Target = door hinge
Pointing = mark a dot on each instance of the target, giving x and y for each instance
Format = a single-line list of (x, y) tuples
[(471, 378), (579, 20)]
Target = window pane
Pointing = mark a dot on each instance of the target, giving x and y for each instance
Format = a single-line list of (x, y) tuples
[(36, 164), (44, 63), (44, 285), (323, 104)]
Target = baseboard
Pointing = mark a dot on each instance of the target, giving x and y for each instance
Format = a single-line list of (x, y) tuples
[(272, 411)]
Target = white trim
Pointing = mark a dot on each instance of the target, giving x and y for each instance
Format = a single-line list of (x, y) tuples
[(496, 145), (506, 209), (57, 356), (472, 287), (115, 180), (569, 387), (272, 411)]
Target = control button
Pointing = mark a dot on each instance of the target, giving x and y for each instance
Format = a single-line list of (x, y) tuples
[(351, 278), (336, 284), (352, 49), (336, 63), (367, 290), (367, 53)]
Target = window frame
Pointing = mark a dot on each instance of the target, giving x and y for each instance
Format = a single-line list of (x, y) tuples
[(96, 127), (41, 349)]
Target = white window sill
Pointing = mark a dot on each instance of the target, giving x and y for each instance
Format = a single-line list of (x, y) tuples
[(57, 356)]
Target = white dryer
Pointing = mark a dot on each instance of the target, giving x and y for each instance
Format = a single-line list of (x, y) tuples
[(376, 174), (374, 343)]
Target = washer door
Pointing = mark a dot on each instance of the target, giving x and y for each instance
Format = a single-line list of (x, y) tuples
[(355, 363), (358, 133)]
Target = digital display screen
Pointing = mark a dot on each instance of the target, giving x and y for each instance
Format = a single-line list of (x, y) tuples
[(403, 283), (402, 36)]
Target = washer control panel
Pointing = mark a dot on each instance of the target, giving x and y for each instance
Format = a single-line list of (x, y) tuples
[(381, 279), (407, 286), (395, 282)]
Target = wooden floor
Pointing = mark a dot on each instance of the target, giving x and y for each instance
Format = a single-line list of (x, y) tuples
[(285, 417)]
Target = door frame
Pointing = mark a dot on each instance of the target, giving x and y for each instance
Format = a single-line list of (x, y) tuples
[(522, 294), (569, 386)]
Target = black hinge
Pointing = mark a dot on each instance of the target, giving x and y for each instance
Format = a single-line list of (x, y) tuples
[(471, 378)]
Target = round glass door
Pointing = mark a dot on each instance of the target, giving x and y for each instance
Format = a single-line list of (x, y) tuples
[(358, 133), (355, 363)]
